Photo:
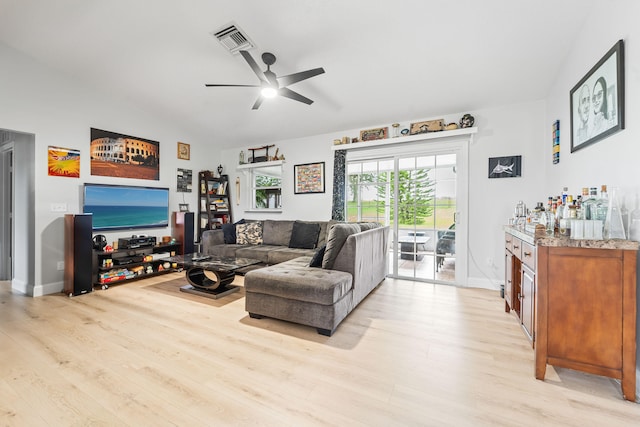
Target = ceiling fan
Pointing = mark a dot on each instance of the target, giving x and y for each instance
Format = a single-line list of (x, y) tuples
[(271, 84)]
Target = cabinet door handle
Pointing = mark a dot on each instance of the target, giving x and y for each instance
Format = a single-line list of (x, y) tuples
[(515, 246), (527, 254)]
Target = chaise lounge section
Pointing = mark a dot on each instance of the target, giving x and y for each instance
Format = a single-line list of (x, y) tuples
[(332, 267), (354, 263)]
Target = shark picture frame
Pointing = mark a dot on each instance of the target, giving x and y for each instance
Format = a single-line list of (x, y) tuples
[(505, 167)]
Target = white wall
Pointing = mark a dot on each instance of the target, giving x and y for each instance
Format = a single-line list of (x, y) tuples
[(612, 161), (60, 111), (506, 131)]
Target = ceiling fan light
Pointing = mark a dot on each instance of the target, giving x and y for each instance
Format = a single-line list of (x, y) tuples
[(269, 92)]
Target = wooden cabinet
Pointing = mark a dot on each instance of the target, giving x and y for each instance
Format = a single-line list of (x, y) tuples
[(519, 289), (586, 312), (214, 204), (576, 302)]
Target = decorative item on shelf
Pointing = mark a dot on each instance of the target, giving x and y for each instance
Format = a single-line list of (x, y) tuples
[(396, 130), (242, 157), (373, 134), (346, 140), (337, 141), (451, 126), (354, 140), (404, 132), (275, 156), (426, 126), (259, 159), (220, 169), (467, 121)]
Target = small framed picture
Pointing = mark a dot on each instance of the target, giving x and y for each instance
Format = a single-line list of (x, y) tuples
[(309, 178), (373, 134), (184, 151), (426, 126), (184, 207), (505, 167)]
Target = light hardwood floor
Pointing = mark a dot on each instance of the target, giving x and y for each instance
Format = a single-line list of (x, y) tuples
[(412, 354)]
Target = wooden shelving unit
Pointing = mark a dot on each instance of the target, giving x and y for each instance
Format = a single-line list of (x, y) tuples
[(214, 202)]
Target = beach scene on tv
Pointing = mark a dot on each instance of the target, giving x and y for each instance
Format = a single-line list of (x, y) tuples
[(126, 207)]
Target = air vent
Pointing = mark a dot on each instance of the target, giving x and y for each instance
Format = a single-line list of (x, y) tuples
[(233, 38)]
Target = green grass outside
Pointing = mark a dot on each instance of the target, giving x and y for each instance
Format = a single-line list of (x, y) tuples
[(443, 214)]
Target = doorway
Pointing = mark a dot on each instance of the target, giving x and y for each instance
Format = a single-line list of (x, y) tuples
[(422, 197), (6, 210)]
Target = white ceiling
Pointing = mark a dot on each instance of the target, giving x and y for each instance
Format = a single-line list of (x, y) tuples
[(385, 61)]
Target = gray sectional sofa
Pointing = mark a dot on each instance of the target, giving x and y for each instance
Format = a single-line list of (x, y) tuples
[(316, 286)]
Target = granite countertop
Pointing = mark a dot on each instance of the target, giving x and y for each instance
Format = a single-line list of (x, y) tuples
[(545, 240)]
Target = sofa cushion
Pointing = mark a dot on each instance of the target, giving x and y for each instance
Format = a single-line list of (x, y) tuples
[(282, 254), (364, 226), (337, 236), (276, 232), (294, 280), (304, 235), (316, 261), (249, 234), (260, 252)]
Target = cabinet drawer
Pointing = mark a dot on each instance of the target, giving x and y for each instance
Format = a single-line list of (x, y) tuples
[(528, 255), (516, 247), (508, 241)]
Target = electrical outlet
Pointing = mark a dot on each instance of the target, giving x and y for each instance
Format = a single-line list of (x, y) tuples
[(60, 265)]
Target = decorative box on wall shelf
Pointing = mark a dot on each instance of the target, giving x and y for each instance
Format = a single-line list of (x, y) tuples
[(214, 202)]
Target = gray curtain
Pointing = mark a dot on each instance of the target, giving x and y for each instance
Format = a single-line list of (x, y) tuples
[(339, 185)]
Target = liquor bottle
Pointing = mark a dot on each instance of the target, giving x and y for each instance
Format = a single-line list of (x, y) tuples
[(602, 204), (565, 194), (634, 223), (588, 208)]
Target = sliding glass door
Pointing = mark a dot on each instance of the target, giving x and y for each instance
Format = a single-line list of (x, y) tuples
[(416, 195)]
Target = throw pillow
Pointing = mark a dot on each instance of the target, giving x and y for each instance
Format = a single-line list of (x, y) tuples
[(304, 235), (276, 232), (229, 231), (316, 261), (337, 236), (364, 226), (249, 234)]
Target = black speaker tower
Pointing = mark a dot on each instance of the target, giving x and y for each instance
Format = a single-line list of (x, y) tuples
[(78, 254)]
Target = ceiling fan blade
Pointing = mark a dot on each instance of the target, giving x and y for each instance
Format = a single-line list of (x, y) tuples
[(288, 93), (254, 66), (297, 77), (257, 104), (225, 85)]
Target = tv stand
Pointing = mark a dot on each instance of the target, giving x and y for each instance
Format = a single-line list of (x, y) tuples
[(122, 265)]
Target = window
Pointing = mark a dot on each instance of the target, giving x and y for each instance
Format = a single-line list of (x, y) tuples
[(266, 187)]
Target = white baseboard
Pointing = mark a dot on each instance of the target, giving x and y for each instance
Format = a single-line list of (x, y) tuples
[(483, 283), (48, 289)]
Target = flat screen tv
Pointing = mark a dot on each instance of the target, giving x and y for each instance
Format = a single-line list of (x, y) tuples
[(126, 207)]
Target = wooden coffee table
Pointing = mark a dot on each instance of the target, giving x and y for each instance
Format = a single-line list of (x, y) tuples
[(211, 275)]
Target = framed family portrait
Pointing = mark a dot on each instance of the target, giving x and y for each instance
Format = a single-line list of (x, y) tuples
[(309, 178), (597, 100)]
